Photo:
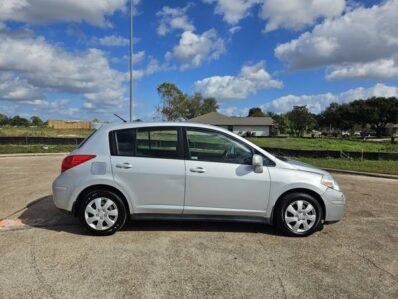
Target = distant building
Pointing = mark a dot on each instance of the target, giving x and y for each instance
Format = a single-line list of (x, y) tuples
[(243, 126), (391, 130), (69, 124)]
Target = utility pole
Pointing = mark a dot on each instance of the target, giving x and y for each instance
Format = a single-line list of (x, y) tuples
[(131, 58)]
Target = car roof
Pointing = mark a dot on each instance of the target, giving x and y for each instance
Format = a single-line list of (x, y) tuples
[(121, 126)]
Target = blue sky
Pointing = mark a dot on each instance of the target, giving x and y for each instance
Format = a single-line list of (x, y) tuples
[(69, 59)]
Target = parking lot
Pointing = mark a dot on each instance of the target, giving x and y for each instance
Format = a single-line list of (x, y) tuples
[(46, 254)]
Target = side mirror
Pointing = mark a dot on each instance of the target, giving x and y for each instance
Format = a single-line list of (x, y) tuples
[(257, 162)]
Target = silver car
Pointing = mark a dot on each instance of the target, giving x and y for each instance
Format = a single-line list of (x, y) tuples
[(190, 171)]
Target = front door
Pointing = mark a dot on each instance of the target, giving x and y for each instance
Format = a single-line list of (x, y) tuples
[(149, 163), (219, 176)]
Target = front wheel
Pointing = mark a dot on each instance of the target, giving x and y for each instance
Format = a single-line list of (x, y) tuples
[(299, 215), (102, 212)]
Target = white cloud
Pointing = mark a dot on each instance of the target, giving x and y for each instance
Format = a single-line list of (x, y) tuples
[(152, 67), (172, 19), (195, 49), (250, 79), (32, 67), (48, 11), (234, 29), (233, 10), (14, 88), (113, 41), (296, 14), (318, 102), (39, 105), (353, 44), (378, 69), (138, 57), (234, 111)]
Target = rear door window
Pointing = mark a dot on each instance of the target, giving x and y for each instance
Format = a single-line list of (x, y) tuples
[(157, 143)]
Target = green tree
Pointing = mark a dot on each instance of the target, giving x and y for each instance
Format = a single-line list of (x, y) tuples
[(336, 116), (3, 119), (199, 105), (376, 112), (255, 112), (19, 121), (174, 104), (281, 121), (177, 105), (36, 121), (300, 120)]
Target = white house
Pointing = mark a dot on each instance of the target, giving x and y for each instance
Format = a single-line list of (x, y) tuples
[(254, 126)]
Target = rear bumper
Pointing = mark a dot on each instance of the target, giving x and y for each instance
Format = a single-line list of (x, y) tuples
[(61, 196), (334, 204)]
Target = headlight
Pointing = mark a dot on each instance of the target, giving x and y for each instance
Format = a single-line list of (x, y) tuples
[(329, 182)]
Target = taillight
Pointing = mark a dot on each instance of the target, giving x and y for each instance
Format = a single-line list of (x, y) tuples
[(74, 160)]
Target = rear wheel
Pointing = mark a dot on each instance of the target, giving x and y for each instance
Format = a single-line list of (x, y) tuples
[(102, 212), (299, 214)]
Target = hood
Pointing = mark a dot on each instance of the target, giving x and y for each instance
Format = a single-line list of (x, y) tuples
[(305, 167)]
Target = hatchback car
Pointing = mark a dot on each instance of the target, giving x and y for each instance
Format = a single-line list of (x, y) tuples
[(190, 171)]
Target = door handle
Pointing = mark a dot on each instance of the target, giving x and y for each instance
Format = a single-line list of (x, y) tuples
[(198, 170), (125, 165)]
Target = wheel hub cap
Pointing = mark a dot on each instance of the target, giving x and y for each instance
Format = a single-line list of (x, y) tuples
[(300, 216), (101, 213)]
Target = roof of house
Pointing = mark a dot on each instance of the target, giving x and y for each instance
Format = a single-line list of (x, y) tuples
[(215, 118)]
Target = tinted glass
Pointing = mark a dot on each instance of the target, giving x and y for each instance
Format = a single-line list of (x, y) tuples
[(216, 147), (125, 142), (157, 143)]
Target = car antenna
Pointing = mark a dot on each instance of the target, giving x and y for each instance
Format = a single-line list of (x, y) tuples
[(123, 120)]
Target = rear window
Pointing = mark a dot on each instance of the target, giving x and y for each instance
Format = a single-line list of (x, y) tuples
[(125, 142)]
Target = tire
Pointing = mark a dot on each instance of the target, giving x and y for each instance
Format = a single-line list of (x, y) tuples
[(102, 212), (296, 219)]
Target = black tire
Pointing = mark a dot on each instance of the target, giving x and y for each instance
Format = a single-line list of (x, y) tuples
[(121, 209), (280, 211)]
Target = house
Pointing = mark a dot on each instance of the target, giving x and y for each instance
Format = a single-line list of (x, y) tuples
[(244, 126), (391, 130)]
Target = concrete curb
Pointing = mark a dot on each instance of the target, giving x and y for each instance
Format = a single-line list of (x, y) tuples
[(371, 174), (32, 155)]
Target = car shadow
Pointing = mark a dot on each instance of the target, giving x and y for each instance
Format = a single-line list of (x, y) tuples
[(42, 213)]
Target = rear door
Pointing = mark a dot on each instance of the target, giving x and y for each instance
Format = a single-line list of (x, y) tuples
[(148, 162)]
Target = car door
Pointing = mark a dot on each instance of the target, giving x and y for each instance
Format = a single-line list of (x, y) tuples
[(220, 179), (149, 164)]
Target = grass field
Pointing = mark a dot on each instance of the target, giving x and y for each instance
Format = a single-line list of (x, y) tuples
[(377, 166), (43, 132), (35, 148), (326, 144)]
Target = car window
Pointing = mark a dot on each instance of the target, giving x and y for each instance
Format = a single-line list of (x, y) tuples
[(213, 146), (157, 143), (125, 142)]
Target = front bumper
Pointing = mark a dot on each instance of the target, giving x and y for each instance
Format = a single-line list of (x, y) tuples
[(334, 204)]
